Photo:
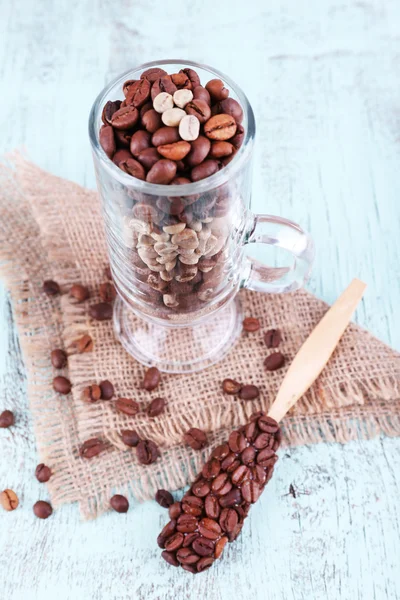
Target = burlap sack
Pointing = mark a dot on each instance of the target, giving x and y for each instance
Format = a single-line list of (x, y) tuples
[(52, 229)]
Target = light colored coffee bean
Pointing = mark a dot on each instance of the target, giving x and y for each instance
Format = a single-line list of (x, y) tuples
[(160, 237), (170, 300), (164, 248), (204, 234), (167, 258), (173, 116), (207, 220), (205, 295), (186, 251), (173, 229), (166, 276), (127, 234), (218, 246), (210, 244), (187, 275), (170, 266), (145, 240), (206, 265), (140, 226), (163, 102), (189, 260), (186, 239), (196, 225), (182, 97), (157, 268), (189, 128), (147, 253)]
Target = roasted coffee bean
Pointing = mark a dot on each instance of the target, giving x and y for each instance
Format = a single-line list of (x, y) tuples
[(211, 506), (262, 441), (122, 140), (6, 419), (220, 452), (205, 169), (138, 93), (164, 498), (109, 109), (217, 90), (266, 457), (204, 546), (153, 74), (107, 291), (164, 136), (230, 386), (156, 407), (140, 140), (230, 499), (240, 474), (152, 378), (221, 484), (133, 167), (83, 344), (201, 488), (237, 441), (91, 393), (79, 292), (189, 128), (169, 529), (102, 311), (143, 109), (274, 361), (200, 93), (181, 80), (221, 149), (130, 438), (220, 127), (91, 448), (259, 475), (9, 500), (230, 463), (200, 109), (187, 523), (148, 157), (211, 468), (229, 106), (107, 140), (119, 503), (187, 556), (162, 172), (192, 505), (170, 558), (151, 120), (192, 76), (175, 510), (51, 288), (272, 338), (42, 509), (174, 542), (127, 406), (42, 473), (238, 139), (163, 84), (58, 358), (219, 546), (204, 563), (176, 151), (62, 385), (189, 539), (248, 455), (107, 390), (125, 118), (228, 520), (147, 452), (250, 491), (195, 438), (251, 324), (125, 88), (250, 431), (249, 392), (144, 212), (267, 424), (199, 150)]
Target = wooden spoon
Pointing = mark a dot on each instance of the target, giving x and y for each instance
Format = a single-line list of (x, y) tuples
[(316, 350)]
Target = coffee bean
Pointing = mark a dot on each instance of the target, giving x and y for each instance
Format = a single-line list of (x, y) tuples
[(107, 291), (267, 424), (182, 97), (9, 500), (192, 76), (238, 139), (272, 338), (156, 407), (201, 488), (217, 90), (42, 509), (187, 556), (152, 378), (200, 109), (204, 546), (102, 311), (174, 542), (251, 491), (220, 452), (237, 441), (170, 558), (175, 510), (79, 292), (140, 140), (181, 80), (119, 503), (172, 117), (91, 393), (195, 438), (221, 149), (147, 452), (211, 468), (6, 419), (250, 431), (162, 172), (258, 475), (148, 157), (151, 121), (189, 539), (107, 140), (153, 73), (230, 463), (274, 361), (62, 385), (106, 389), (125, 118), (127, 406), (164, 136), (164, 498), (205, 169), (176, 151), (230, 386), (229, 106), (248, 455), (262, 441), (230, 499), (83, 344), (240, 474), (122, 140), (204, 563), (222, 484), (109, 109), (189, 128), (249, 392), (199, 150), (228, 520), (266, 457), (220, 127), (187, 523), (92, 448), (219, 546), (200, 93), (251, 324), (51, 288), (58, 358), (42, 473), (138, 93), (163, 84), (130, 438)]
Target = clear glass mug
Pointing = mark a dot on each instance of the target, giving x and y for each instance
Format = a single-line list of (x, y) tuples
[(177, 252)]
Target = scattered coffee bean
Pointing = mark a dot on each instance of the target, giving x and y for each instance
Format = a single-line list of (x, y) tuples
[(91, 393), (42, 473), (175, 510), (51, 288), (83, 344), (230, 386), (58, 358), (7, 419), (102, 311), (42, 509), (273, 338), (151, 379), (164, 498), (274, 361), (9, 500), (107, 390), (156, 407), (195, 438), (127, 406), (92, 448), (119, 503), (249, 392), (147, 452), (107, 292), (251, 324), (130, 438), (79, 292), (62, 385)]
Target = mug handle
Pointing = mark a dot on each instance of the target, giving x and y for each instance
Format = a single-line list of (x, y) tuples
[(281, 233)]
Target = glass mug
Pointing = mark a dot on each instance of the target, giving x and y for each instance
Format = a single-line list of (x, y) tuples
[(177, 252)]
